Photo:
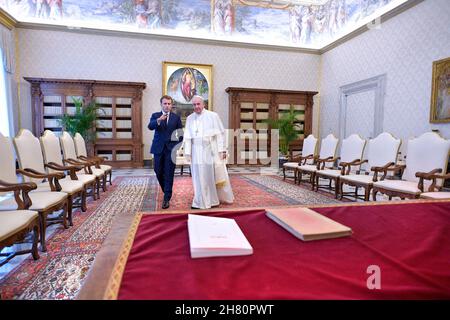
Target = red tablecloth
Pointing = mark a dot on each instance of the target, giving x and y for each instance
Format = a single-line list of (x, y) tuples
[(409, 242)]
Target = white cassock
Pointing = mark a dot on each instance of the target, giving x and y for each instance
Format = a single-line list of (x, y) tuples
[(204, 138)]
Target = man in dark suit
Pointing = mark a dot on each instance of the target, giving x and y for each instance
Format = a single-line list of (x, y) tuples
[(167, 126)]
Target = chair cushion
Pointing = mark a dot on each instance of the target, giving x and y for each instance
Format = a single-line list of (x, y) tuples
[(67, 186), (12, 222), (399, 185), (308, 167), (105, 167), (435, 195), (85, 178), (329, 172), (292, 165), (40, 200), (97, 172), (360, 178)]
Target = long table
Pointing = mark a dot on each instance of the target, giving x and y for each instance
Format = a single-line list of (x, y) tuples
[(406, 244)]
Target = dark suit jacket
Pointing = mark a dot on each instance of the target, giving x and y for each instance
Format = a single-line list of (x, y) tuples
[(163, 132)]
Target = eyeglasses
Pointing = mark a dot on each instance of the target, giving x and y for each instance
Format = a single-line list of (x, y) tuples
[(196, 104)]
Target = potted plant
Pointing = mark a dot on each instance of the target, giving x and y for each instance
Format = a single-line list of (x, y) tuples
[(287, 132), (82, 121)]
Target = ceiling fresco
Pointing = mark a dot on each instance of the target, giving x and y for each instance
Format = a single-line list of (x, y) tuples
[(292, 23)]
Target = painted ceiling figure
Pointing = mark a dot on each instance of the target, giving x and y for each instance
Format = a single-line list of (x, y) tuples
[(295, 18), (223, 18), (307, 22), (56, 11), (148, 14), (188, 85), (42, 9)]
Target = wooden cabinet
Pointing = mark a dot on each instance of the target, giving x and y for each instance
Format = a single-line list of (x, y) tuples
[(118, 126), (249, 111)]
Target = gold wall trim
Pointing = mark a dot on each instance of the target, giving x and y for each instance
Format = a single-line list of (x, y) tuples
[(7, 20)]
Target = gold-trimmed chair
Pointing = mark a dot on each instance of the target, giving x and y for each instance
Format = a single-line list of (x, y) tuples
[(426, 157), (328, 148), (30, 157), (436, 193), (51, 150), (80, 148), (382, 153), (70, 157), (309, 152), (351, 152), (16, 224), (44, 202)]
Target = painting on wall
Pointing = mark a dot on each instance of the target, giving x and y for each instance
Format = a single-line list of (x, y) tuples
[(182, 81), (440, 91)]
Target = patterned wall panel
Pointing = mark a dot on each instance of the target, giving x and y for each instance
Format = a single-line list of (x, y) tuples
[(404, 48), (57, 54), (360, 114)]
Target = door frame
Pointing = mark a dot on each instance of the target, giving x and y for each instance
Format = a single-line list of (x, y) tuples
[(376, 84)]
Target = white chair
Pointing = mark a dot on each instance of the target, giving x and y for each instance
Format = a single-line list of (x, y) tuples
[(351, 152), (436, 194), (44, 202), (382, 152), (80, 148), (181, 161), (426, 156), (29, 154), (328, 149), (54, 162), (16, 224), (309, 152), (70, 157)]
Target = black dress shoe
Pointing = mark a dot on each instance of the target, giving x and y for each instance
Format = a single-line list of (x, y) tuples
[(165, 204), (193, 208)]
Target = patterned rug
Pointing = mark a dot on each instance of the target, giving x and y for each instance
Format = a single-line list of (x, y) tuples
[(251, 190), (60, 272)]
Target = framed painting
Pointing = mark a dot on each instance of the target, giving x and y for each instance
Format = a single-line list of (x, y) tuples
[(182, 81), (440, 92)]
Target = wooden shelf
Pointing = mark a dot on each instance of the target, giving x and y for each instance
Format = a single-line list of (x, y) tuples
[(250, 107), (120, 137)]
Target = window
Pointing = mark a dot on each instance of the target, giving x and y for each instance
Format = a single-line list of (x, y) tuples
[(4, 116)]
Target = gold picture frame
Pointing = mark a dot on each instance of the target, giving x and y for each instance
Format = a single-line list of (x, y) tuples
[(440, 92), (182, 81)]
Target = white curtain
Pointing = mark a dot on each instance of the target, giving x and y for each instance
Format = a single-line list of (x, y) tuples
[(7, 67)]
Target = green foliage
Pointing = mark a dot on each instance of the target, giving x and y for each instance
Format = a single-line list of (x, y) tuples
[(83, 121), (287, 129)]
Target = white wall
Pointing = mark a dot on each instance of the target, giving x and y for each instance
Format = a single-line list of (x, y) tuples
[(58, 54), (404, 48)]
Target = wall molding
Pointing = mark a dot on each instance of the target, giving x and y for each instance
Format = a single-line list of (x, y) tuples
[(376, 84), (7, 20)]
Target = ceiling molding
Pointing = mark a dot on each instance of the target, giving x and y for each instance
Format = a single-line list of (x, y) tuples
[(7, 20)]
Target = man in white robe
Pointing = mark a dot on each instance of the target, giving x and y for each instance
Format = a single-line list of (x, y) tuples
[(205, 148)]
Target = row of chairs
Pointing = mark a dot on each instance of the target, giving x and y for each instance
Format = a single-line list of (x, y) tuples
[(57, 177), (422, 175)]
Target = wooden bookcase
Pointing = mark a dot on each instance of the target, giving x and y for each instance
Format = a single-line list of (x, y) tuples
[(250, 107), (119, 120)]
